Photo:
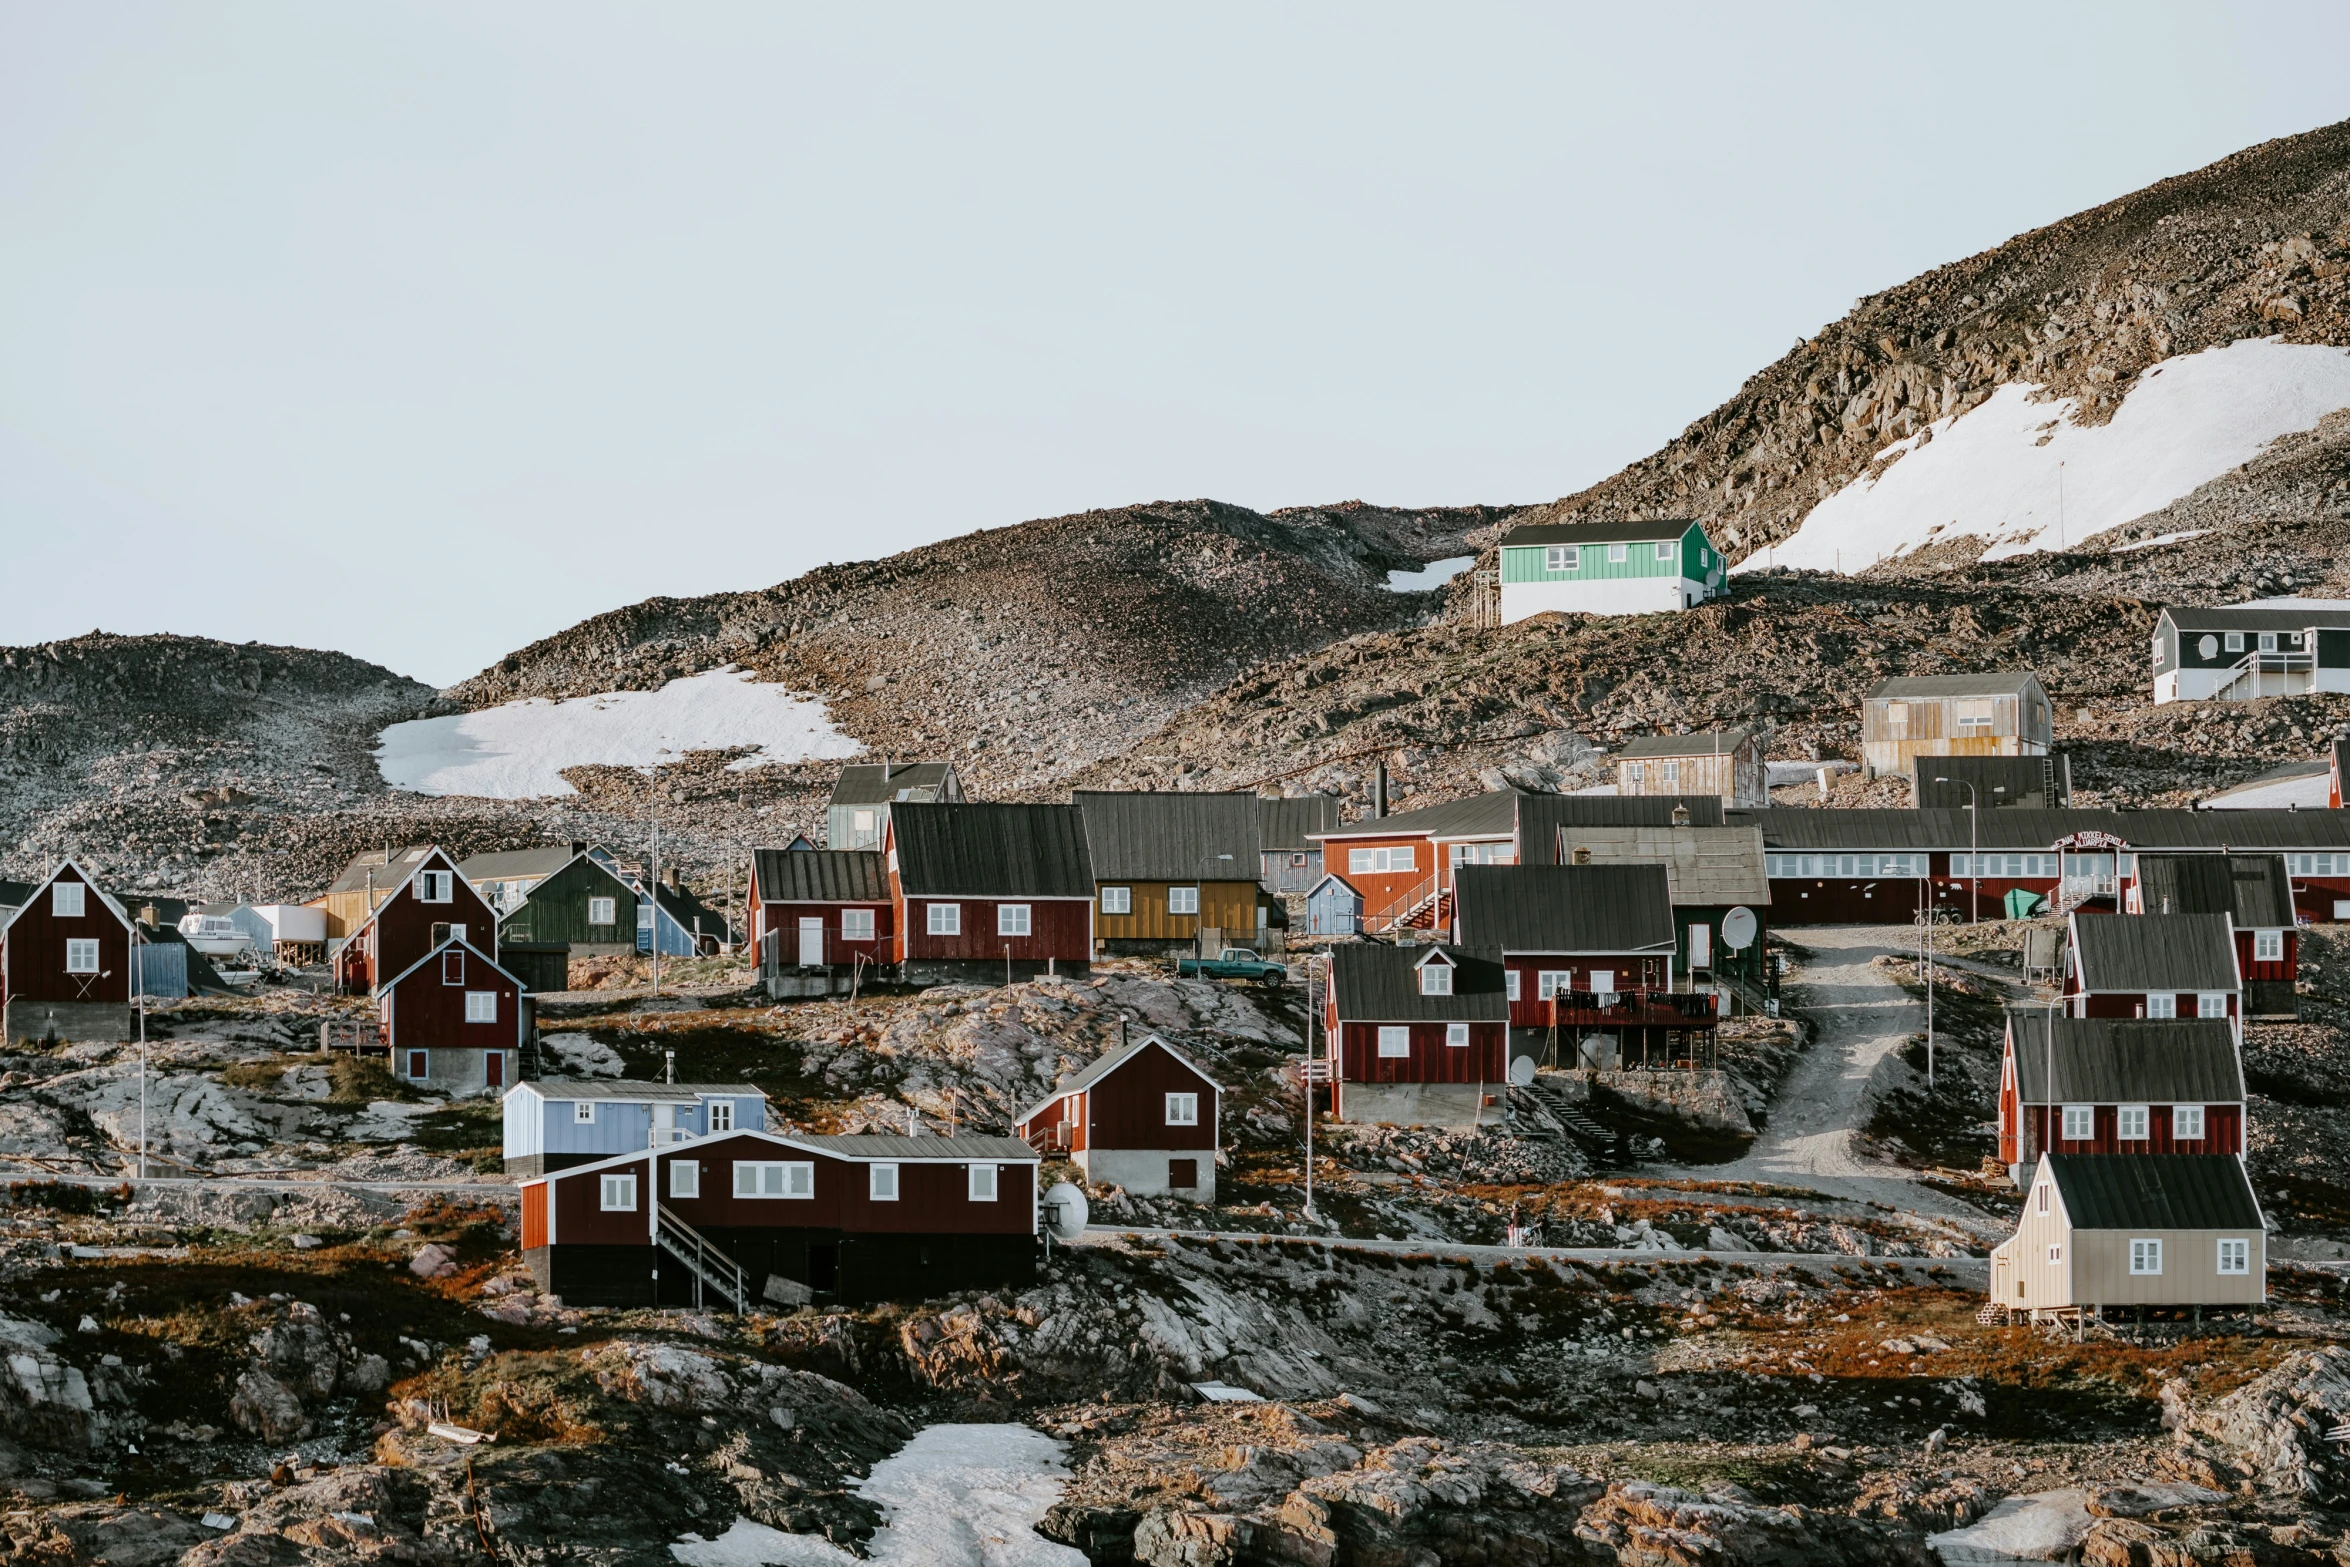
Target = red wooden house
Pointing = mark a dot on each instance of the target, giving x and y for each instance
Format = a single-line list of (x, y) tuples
[(1143, 1117), (737, 1218), (1420, 1035), (989, 892), (65, 963), (2117, 1085), (419, 902), (2256, 893), (814, 911), (2153, 966), (455, 1021)]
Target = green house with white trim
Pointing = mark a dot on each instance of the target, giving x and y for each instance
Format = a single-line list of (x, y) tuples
[(1608, 568)]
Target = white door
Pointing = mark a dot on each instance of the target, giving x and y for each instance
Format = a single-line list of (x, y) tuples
[(812, 943), (1701, 946)]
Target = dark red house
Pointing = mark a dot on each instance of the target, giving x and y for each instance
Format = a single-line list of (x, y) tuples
[(1143, 1117), (737, 1218), (65, 963), (2116, 1086), (1420, 1035), (2153, 966), (815, 910), (989, 892), (2255, 891), (420, 902), (455, 1021)]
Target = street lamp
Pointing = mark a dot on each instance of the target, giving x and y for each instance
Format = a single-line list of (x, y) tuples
[(1974, 857)]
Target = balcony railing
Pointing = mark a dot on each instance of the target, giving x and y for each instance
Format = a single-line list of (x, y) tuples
[(1631, 1009)]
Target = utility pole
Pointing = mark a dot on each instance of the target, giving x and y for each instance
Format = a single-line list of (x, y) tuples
[(1313, 1017), (139, 976), (653, 874)]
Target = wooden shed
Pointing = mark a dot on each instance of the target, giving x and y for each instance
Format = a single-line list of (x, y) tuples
[(65, 962), (1169, 865), (1999, 714), (2160, 1231), (1333, 908), (2117, 1085), (1144, 1117), (1286, 829), (1726, 763)]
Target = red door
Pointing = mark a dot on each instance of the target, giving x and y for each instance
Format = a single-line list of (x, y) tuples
[(493, 1067)]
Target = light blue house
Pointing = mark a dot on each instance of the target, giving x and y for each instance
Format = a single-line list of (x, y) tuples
[(684, 925), (1334, 908), (552, 1124)]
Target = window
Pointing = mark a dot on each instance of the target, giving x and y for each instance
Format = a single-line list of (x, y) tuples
[(2320, 864), (1845, 865), (2235, 641), (419, 1064), (619, 1193), (1183, 1109), (1396, 857), (774, 1179), (2048, 866), (1617, 554), (2211, 1003), (2235, 1256), (434, 886), (2080, 1123), (721, 1115), (2130, 1123), (1664, 550), (1603, 980), (1635, 771), (946, 919), (2145, 1256), (644, 918), (881, 1182), (685, 1178), (603, 911), (1669, 773), (2055, 1256), (982, 1182), (1394, 1040), (1975, 712), (1435, 979), (2186, 1122), (2043, 1196), (1562, 557), (856, 924), (2162, 1006), (2268, 642), (861, 821), (1550, 981), (1011, 919), (65, 900), (1509, 983), (1457, 1035), (1182, 900), (1117, 900), (452, 963), (81, 955), (583, 1112), (2268, 946), (481, 1006)]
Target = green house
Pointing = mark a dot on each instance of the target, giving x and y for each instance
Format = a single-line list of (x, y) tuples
[(1608, 568), (557, 893)]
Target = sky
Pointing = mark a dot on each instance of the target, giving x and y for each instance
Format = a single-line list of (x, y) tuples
[(422, 331)]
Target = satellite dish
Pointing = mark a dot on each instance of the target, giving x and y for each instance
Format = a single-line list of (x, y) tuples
[(1064, 1212), (1522, 1071), (1738, 929)]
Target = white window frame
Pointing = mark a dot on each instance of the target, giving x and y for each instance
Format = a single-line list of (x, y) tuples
[(1395, 1041), (2145, 1257), (1436, 979), (1012, 919), (774, 1180), (2055, 1254), (2211, 1003), (583, 1112), (1183, 900), (81, 954), (1183, 1109), (1603, 981), (2162, 1005), (856, 924), (481, 1006), (1617, 554), (2268, 946), (616, 1193), (2187, 1123), (436, 886), (1509, 984), (1562, 557), (2268, 642), (2083, 1117), (2234, 1257), (1550, 981), (1456, 1035), (881, 1182), (1117, 900), (982, 1184), (1634, 772), (2133, 1124), (685, 1178), (1668, 773), (1664, 549), (2235, 641), (2043, 1189), (68, 900), (943, 919), (603, 911)]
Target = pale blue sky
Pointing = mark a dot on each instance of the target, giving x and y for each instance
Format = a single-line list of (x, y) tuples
[(422, 331)]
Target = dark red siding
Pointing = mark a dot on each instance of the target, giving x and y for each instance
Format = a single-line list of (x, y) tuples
[(1651, 972), (2286, 970), (2116, 1003), (1484, 1059), (1059, 928), (34, 948), (2223, 1131), (2314, 897), (580, 1221), (1128, 1108), (402, 929), (423, 1011), (1812, 900), (784, 920)]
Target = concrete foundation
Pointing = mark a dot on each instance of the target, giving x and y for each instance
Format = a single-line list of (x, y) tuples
[(65, 1022), (985, 971), (1452, 1105), (1144, 1171)]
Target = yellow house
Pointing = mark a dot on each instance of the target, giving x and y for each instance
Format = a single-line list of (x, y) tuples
[(368, 881), (1169, 866), (2162, 1230)]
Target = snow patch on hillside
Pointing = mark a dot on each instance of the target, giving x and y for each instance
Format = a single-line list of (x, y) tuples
[(1995, 471), (517, 751), (1433, 575)]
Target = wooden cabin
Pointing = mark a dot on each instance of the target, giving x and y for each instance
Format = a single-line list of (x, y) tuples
[(2158, 1231), (988, 894), (2153, 966), (1608, 568), (2117, 1085), (559, 1124), (820, 915), (2255, 891), (1725, 763), (65, 962), (1144, 1117), (857, 815), (1333, 908), (1286, 839), (456, 1021), (567, 893), (2242, 653), (1991, 783), (418, 904), (1169, 866), (1909, 716), (742, 1218), (1710, 874), (1419, 1035)]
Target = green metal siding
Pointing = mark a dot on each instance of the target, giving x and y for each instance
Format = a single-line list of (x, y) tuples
[(1526, 562), (557, 909)]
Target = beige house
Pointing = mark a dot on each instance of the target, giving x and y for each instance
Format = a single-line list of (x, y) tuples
[(2005, 714), (1727, 763), (2105, 1230)]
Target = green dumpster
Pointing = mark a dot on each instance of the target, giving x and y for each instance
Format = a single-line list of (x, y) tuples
[(2023, 903)]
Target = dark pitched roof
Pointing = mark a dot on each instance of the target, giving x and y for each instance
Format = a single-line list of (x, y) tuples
[(516, 864), (1374, 983), (13, 894), (1706, 742), (1171, 836), (1479, 816), (2252, 888), (879, 783), (1798, 827), (2001, 783), (628, 1090), (1599, 532), (1102, 1066), (693, 916), (2138, 1191), (386, 870), (1564, 908), (1542, 816), (2137, 952), (885, 1146), (821, 875), (1288, 823), (992, 851), (1999, 682), (2222, 618), (2108, 1060)]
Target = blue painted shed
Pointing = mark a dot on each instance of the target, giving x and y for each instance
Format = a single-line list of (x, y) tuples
[(159, 970), (553, 1124), (1333, 908)]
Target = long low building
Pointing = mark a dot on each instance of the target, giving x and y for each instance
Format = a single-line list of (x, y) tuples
[(1830, 867)]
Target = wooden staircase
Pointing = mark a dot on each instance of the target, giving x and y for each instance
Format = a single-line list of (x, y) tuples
[(712, 1269)]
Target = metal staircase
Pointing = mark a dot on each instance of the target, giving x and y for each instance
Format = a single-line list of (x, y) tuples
[(712, 1269), (1603, 1146)]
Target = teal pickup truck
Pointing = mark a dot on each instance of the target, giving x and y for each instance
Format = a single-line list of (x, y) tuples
[(1235, 963)]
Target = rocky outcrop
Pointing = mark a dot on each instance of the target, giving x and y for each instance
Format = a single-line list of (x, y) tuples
[(2274, 1428), (297, 1362)]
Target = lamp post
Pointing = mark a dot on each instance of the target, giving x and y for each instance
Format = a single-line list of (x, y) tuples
[(1974, 848)]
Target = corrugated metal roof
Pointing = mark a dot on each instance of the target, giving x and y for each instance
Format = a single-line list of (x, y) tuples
[(884, 1147), (1541, 817), (2106, 1060), (992, 851), (386, 876), (821, 876), (1706, 867), (1796, 827), (1170, 835), (1375, 983), (2253, 888), (2156, 952), (1706, 742), (2221, 618), (1493, 815), (1289, 823), (622, 1089), (515, 864), (1996, 682), (2001, 783), (1564, 908), (879, 783), (1598, 532), (1101, 1067), (2137, 1191)]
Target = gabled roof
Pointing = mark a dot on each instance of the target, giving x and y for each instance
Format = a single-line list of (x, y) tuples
[(991, 851), (1705, 742), (1289, 823), (2137, 1191), (2252, 889), (2157, 952), (1598, 532), (386, 870), (821, 875), (493, 963), (1375, 983), (2189, 617), (1601, 909), (2001, 783), (2108, 1060), (626, 1092), (1493, 815), (409, 863), (33, 890), (519, 864), (1103, 1066), (1705, 867), (882, 783), (686, 909), (2002, 682), (1171, 836), (1541, 816)]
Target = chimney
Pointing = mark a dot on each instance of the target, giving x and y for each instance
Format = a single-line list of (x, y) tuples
[(147, 915), (1379, 794), (1582, 855), (668, 1066), (669, 877), (579, 846), (1680, 815)]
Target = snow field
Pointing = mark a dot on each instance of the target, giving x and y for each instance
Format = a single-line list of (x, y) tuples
[(518, 750), (1433, 575)]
